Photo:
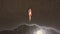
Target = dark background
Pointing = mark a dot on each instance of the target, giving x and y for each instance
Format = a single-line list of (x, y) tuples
[(14, 12)]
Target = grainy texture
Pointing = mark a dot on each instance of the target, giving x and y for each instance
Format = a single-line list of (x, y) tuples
[(14, 12)]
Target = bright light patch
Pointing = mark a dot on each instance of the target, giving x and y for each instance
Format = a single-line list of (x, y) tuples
[(39, 32)]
